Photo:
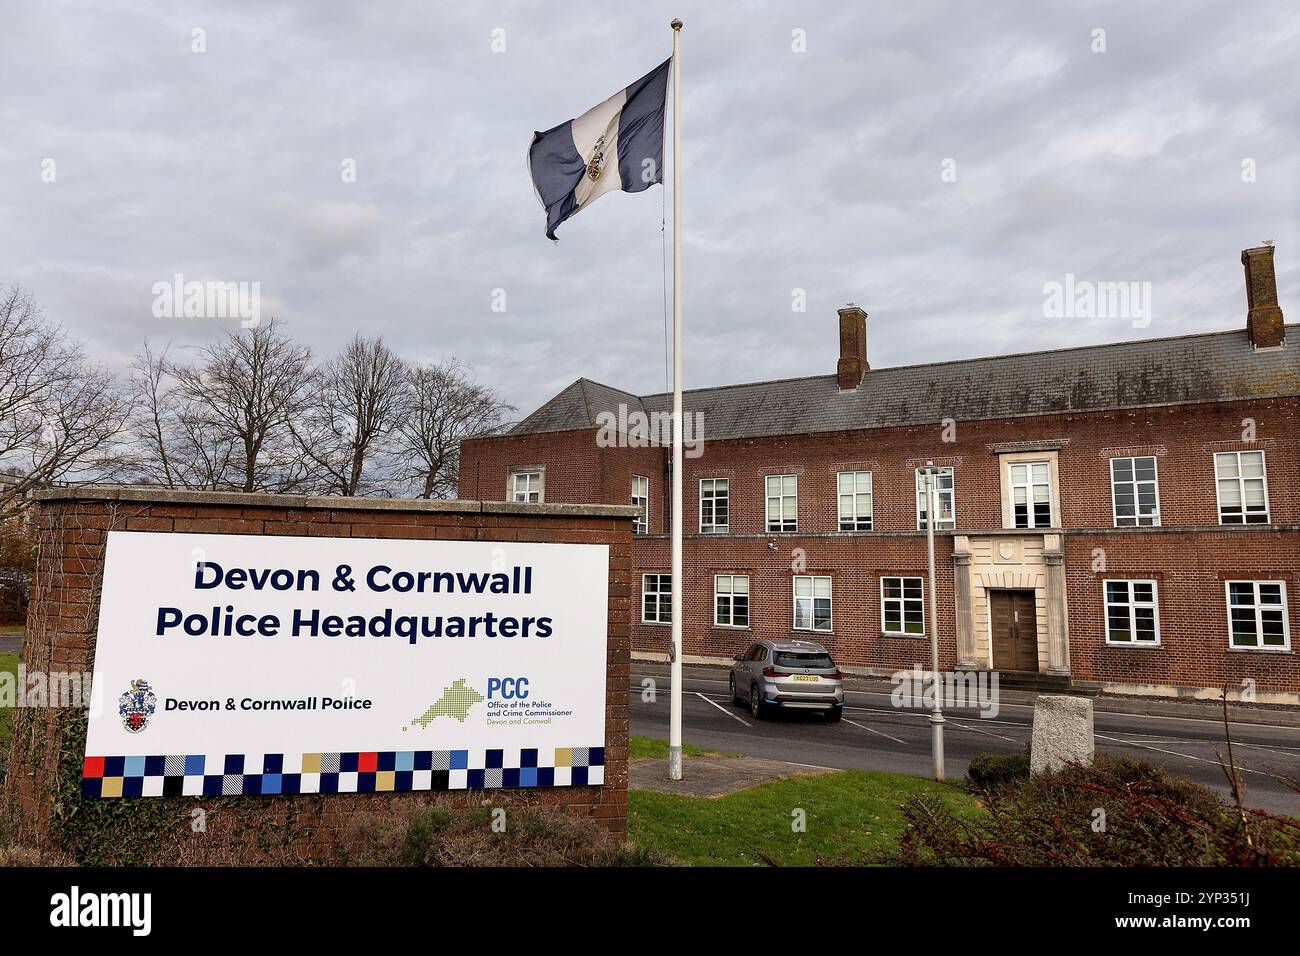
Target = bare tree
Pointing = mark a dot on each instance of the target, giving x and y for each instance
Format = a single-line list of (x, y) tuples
[(60, 414), (442, 406), (173, 442), (248, 392), (249, 413), (153, 419), (355, 402)]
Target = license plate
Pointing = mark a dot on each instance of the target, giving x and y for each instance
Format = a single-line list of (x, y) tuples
[(812, 677)]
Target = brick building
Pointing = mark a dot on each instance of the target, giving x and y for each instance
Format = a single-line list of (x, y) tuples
[(1124, 516)]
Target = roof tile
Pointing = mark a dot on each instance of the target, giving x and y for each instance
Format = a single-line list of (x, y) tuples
[(1208, 367)]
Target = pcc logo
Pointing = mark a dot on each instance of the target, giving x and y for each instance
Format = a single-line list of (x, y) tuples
[(508, 688)]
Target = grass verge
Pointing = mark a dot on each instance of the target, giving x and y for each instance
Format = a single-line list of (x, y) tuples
[(8, 662), (639, 748), (848, 814)]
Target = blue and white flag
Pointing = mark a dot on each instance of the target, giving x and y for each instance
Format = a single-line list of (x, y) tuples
[(616, 145)]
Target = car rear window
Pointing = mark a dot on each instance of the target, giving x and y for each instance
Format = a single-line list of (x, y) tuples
[(802, 659)]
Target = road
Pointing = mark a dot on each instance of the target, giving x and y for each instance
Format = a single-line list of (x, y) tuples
[(876, 736)]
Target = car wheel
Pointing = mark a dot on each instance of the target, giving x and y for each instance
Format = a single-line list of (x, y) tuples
[(756, 707), (735, 698), (835, 714)]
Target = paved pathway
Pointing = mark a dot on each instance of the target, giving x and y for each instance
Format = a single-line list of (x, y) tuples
[(714, 776)]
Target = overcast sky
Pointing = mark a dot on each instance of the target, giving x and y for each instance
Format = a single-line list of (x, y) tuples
[(819, 170)]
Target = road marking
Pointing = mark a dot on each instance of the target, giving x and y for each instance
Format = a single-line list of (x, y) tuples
[(1278, 749), (1008, 705), (925, 715), (922, 714), (855, 723), (1115, 740), (949, 720), (872, 731), (1139, 739), (723, 709), (1172, 753)]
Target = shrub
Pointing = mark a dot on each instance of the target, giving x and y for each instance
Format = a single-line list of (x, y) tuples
[(1118, 812), (422, 834), (988, 771)]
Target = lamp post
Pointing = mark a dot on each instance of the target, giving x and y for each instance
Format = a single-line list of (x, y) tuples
[(930, 473)]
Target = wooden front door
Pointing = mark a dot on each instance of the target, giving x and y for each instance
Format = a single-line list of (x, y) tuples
[(1015, 630)]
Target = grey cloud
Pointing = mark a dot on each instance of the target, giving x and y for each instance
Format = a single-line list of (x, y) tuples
[(817, 171)]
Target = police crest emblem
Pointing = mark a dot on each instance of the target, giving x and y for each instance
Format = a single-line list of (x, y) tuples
[(137, 705)]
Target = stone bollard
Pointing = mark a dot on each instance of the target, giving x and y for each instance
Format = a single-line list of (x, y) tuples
[(1062, 733)]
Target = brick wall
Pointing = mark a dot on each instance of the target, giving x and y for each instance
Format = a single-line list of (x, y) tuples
[(855, 564), (1189, 548), (1190, 569), (65, 608), (578, 470)]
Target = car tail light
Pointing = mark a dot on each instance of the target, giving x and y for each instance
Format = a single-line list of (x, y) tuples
[(769, 671), (835, 675)]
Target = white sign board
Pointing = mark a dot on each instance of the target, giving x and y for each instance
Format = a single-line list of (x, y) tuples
[(250, 664)]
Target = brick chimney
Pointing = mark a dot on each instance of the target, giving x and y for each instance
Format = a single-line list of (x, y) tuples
[(1264, 318), (853, 347)]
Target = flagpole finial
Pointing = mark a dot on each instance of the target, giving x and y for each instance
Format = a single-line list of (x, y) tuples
[(676, 24)]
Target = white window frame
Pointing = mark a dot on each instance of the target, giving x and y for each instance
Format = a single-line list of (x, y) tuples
[(902, 604), (1132, 605), (642, 523), (1241, 485), (1136, 520), (943, 524), (1029, 485), (781, 497), (527, 473), (660, 577), (812, 607), (714, 527), (853, 517), (1259, 608), (730, 596)]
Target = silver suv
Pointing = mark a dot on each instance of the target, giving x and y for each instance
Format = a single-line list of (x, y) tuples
[(787, 675)]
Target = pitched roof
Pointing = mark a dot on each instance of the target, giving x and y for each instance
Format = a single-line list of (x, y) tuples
[(1208, 367), (577, 407)]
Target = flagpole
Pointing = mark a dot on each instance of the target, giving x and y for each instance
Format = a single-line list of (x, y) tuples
[(675, 715)]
